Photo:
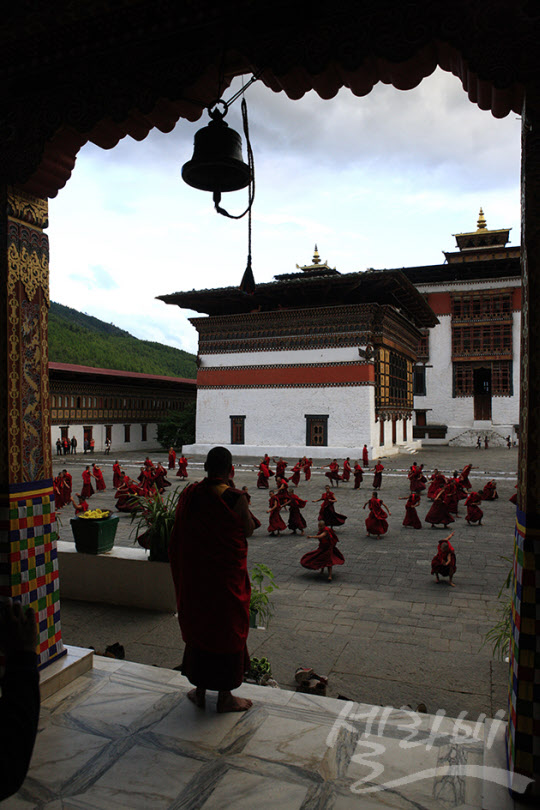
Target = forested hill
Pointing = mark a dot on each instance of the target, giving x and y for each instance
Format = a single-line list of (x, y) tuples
[(86, 341)]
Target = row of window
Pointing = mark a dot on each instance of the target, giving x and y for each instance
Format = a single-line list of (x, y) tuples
[(481, 304), (494, 379), (491, 338), (88, 432), (125, 403)]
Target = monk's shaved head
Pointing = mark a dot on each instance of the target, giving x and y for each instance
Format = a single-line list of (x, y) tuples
[(218, 462)]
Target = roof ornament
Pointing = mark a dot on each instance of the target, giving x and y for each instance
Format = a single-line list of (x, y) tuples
[(316, 257), (481, 224)]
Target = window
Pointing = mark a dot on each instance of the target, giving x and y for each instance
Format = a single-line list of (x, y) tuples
[(317, 430), (108, 432), (421, 418), (423, 347), (394, 381), (463, 380), (237, 429), (501, 378), (419, 389), (143, 433), (484, 339), (127, 433)]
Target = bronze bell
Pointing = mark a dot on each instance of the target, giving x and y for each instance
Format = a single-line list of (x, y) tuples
[(217, 164)]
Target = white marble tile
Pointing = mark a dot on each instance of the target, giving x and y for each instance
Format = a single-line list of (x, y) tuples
[(107, 664), (15, 803), (302, 700), (295, 741), (419, 773), (261, 695), (119, 705), (245, 791), (60, 752), (202, 727), (143, 778)]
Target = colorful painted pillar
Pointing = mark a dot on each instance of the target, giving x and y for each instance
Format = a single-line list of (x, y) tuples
[(523, 737), (28, 554)]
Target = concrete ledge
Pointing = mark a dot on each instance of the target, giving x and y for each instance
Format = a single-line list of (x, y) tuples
[(122, 576), (66, 669)]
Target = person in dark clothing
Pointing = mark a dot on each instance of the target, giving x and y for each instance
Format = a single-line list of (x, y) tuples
[(19, 704)]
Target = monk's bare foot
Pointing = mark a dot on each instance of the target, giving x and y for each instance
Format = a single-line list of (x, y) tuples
[(229, 703), (330, 578), (452, 584), (197, 696)]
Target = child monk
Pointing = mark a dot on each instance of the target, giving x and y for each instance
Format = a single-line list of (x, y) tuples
[(443, 563)]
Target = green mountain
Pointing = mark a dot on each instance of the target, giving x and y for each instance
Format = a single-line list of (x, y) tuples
[(86, 341)]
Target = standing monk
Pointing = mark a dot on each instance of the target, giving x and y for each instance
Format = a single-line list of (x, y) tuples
[(208, 554), (87, 488), (358, 475), (172, 458), (98, 475), (308, 464), (346, 469), (118, 478), (377, 478), (365, 456), (182, 467)]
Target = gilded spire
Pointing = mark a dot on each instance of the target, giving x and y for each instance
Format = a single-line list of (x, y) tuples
[(316, 257), (481, 224)]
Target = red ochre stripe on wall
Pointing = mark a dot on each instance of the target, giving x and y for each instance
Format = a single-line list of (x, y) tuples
[(287, 375), (440, 303)]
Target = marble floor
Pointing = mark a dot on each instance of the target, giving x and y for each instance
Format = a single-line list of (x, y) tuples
[(124, 735)]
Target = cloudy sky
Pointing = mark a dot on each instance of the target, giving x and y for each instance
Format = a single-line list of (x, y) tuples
[(381, 181)]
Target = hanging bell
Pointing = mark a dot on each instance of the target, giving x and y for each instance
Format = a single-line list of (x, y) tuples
[(217, 164)]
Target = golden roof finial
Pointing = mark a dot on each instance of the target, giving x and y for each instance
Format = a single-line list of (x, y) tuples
[(316, 257), (481, 224)]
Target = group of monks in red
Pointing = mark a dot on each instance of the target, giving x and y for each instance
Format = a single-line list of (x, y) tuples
[(63, 487), (182, 463), (151, 479)]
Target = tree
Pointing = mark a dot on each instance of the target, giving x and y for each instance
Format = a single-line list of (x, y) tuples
[(178, 428)]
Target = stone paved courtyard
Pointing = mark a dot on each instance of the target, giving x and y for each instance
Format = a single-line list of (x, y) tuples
[(382, 631)]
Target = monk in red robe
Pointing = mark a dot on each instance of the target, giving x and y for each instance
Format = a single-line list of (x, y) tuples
[(98, 476), (281, 466), (438, 482), (444, 562), (358, 475), (308, 464), (346, 474), (263, 476), (327, 555), (333, 473), (296, 519), (439, 511), (411, 515), (275, 522), (208, 554), (489, 493), (80, 506), (172, 458), (87, 490), (464, 476), (474, 513), (296, 470), (513, 499), (365, 456), (327, 512), (377, 478), (182, 467), (117, 475), (376, 522)]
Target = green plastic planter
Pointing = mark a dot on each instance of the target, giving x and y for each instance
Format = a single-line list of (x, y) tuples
[(94, 536)]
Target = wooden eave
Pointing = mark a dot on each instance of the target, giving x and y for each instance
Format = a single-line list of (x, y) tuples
[(370, 287)]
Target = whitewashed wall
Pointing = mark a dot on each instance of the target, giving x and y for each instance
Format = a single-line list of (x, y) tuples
[(117, 438)]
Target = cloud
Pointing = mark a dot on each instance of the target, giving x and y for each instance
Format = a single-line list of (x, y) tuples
[(379, 181)]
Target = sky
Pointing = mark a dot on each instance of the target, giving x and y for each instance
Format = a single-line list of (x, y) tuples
[(381, 181)]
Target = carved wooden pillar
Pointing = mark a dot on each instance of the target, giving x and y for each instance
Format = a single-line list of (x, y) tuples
[(523, 738), (28, 556)]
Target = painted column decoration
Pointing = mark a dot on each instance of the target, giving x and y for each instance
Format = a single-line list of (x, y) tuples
[(28, 529), (523, 738)]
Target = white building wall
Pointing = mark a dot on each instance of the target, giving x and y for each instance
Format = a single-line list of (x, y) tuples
[(275, 419), (117, 437), (281, 357)]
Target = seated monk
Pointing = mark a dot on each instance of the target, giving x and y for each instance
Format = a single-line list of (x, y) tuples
[(489, 493), (208, 555)]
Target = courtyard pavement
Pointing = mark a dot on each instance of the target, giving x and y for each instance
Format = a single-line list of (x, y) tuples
[(382, 631)]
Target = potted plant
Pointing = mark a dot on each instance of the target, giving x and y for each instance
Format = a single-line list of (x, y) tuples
[(259, 672), (154, 523), (261, 607)]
